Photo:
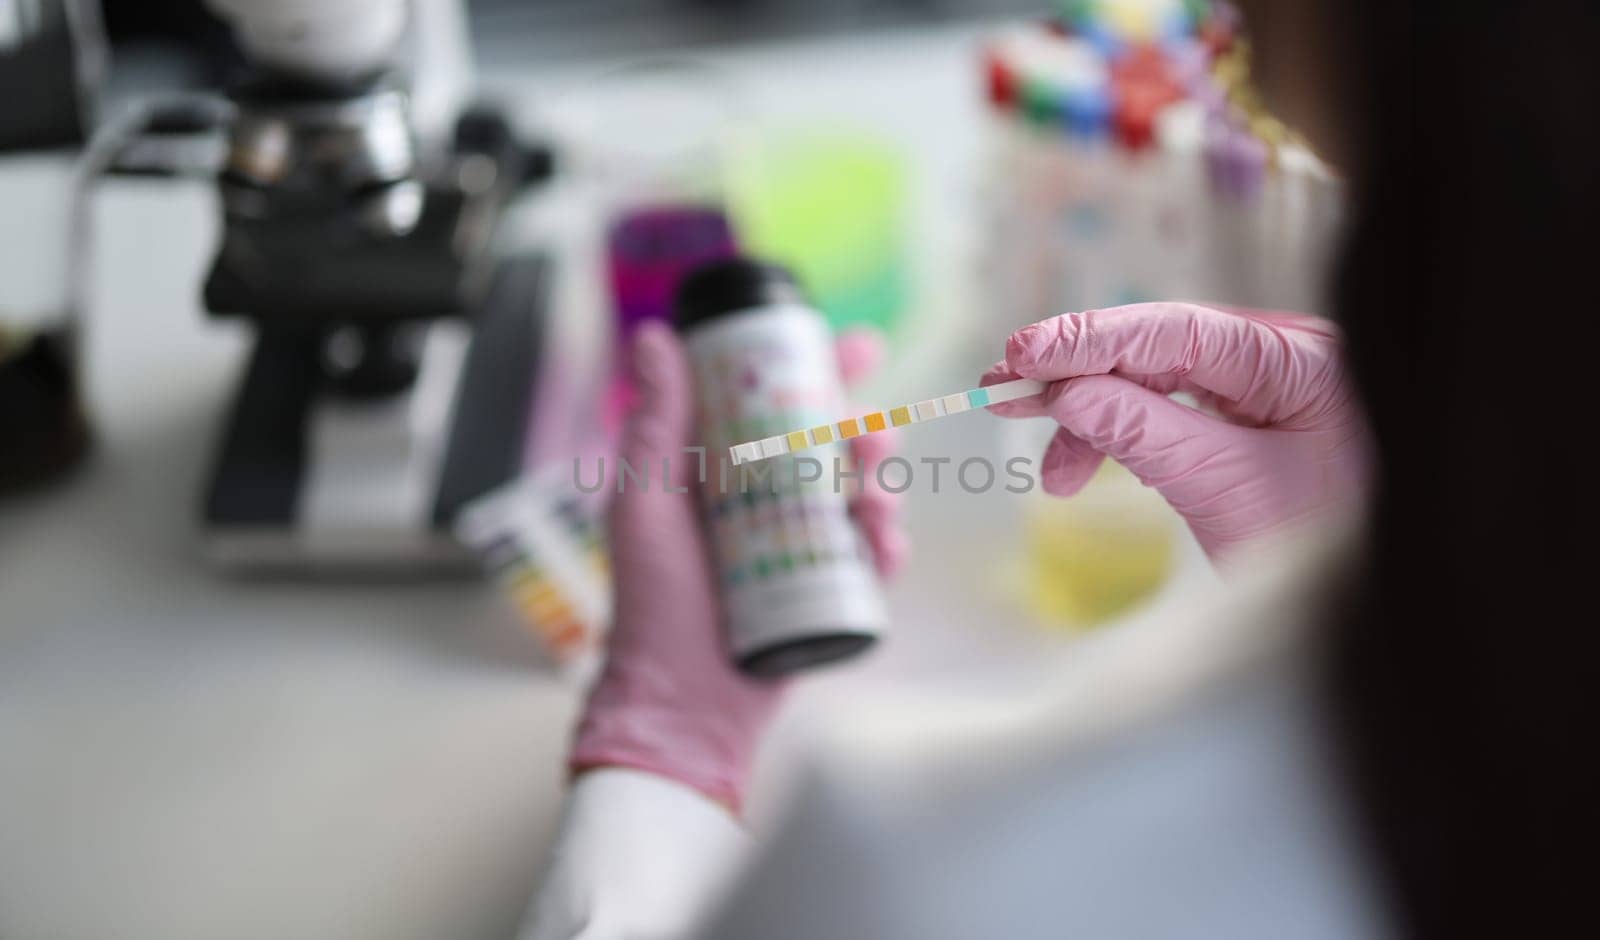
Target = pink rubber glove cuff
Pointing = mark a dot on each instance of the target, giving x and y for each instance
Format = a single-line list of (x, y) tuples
[(708, 748)]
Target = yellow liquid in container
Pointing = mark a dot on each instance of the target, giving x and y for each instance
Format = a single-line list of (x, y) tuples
[(1095, 556)]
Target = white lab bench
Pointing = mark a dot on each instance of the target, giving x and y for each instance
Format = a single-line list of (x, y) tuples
[(186, 755)]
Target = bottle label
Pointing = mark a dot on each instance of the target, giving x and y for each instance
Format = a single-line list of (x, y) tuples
[(790, 560)]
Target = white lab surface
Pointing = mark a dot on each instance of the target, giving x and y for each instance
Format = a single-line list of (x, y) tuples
[(1175, 784)]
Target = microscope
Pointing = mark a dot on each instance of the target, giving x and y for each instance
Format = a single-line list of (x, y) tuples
[(395, 343)]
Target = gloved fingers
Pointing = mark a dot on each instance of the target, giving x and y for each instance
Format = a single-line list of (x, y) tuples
[(1209, 401), (1069, 462), (653, 522), (1167, 445), (875, 509), (861, 352), (1285, 320), (1166, 383), (662, 421), (880, 524), (1266, 371)]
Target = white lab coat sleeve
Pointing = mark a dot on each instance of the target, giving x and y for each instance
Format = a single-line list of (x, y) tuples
[(637, 857)]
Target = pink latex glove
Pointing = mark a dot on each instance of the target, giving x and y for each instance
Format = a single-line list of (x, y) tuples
[(1284, 440), (669, 701)]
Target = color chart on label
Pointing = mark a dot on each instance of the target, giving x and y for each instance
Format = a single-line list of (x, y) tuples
[(770, 525), (546, 550), (768, 533)]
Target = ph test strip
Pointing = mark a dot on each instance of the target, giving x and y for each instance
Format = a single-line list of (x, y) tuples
[(880, 420)]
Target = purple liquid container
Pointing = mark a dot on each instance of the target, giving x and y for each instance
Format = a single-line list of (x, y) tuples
[(650, 249)]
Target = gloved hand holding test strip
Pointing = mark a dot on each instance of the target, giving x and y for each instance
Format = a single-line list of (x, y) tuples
[(883, 420)]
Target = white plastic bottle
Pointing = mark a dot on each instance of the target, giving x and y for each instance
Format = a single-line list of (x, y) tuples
[(796, 575)]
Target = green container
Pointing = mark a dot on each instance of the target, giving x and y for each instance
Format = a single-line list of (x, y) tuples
[(830, 206)]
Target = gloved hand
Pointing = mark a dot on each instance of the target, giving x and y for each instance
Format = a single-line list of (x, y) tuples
[(668, 700), (1284, 439)]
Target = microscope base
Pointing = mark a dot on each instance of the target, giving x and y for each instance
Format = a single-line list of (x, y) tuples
[(309, 483)]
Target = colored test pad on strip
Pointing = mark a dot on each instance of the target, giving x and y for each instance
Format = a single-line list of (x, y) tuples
[(880, 420)]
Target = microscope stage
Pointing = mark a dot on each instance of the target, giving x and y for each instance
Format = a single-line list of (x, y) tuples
[(308, 482)]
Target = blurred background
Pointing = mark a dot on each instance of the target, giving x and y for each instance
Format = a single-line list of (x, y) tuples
[(306, 308)]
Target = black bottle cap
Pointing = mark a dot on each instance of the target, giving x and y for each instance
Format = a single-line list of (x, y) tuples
[(729, 285), (791, 656)]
